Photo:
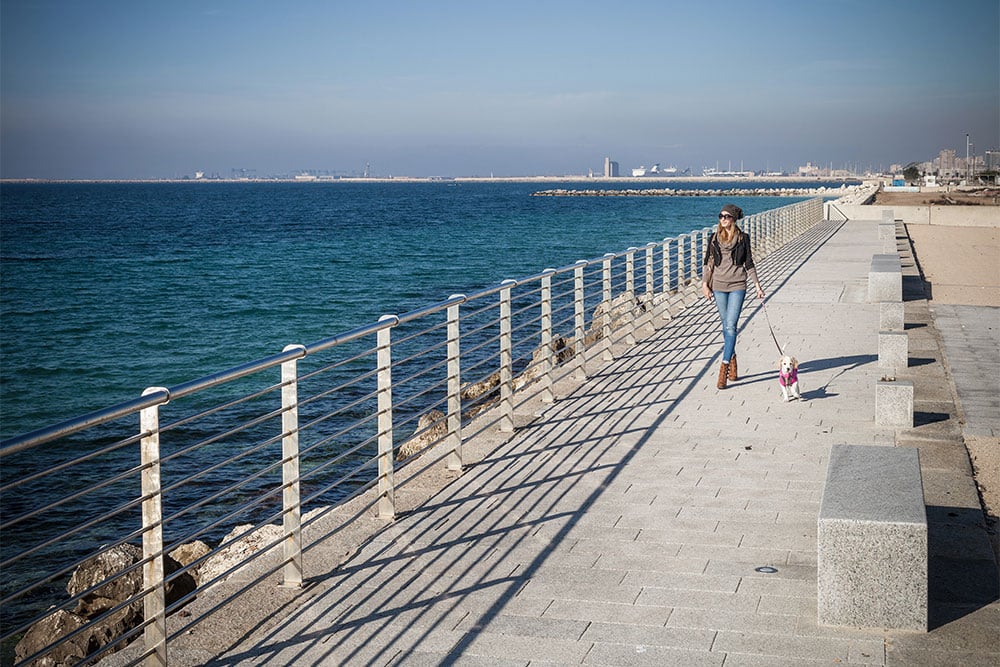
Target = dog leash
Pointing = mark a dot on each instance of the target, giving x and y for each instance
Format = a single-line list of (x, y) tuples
[(773, 337)]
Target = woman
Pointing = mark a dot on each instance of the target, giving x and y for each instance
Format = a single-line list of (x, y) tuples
[(728, 264)]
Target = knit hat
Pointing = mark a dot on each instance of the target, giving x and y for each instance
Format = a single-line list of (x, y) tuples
[(734, 210)]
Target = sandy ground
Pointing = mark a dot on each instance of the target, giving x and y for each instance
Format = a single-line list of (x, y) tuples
[(962, 267), (960, 263), (968, 197)]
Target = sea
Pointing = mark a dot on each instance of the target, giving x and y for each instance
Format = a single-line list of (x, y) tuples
[(109, 288)]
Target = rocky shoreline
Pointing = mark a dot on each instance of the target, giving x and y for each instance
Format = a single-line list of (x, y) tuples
[(730, 192)]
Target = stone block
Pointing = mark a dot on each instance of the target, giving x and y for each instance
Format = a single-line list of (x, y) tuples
[(893, 350), (872, 540), (885, 279), (894, 403), (886, 230), (890, 316), (889, 260)]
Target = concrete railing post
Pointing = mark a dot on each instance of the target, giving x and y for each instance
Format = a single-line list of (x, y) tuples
[(706, 235), (772, 232), (154, 603), (579, 322), (607, 354), (630, 296), (667, 279), (506, 360), (693, 268), (769, 243), (682, 270), (386, 484), (546, 337), (291, 502), (454, 438), (649, 296)]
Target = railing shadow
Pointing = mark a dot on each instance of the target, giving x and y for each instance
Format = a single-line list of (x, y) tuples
[(513, 508)]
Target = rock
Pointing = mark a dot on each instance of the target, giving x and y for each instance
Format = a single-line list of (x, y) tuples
[(622, 308), (563, 348), (92, 574), (105, 566), (45, 631), (431, 429), (484, 394), (239, 551), (188, 553), (101, 568), (477, 389)]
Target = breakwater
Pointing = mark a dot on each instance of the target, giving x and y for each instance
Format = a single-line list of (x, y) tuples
[(728, 192)]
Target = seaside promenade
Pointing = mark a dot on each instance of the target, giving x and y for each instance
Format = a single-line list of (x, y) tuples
[(625, 523)]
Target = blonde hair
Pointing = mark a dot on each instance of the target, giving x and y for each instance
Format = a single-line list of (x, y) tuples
[(727, 235)]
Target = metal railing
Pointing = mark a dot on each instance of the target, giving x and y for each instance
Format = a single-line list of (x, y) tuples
[(237, 457)]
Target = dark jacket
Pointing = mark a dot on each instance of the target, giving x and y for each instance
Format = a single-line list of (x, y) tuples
[(741, 252)]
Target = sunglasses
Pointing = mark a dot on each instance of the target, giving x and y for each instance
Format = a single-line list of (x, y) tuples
[(725, 215)]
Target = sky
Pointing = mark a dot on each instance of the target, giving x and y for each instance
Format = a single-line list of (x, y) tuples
[(123, 89)]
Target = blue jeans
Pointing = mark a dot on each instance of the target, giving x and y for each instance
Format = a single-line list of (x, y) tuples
[(729, 304)]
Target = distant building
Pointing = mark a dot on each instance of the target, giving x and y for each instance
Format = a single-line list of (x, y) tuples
[(809, 170), (610, 168), (946, 163), (992, 161)]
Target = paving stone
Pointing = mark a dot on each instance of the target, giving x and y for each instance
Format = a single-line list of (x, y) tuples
[(641, 655)]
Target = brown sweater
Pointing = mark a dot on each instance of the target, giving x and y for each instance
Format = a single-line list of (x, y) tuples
[(727, 277)]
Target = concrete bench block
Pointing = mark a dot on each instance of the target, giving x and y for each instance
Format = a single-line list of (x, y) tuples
[(890, 316), (872, 540), (894, 403), (893, 349), (887, 230), (885, 278)]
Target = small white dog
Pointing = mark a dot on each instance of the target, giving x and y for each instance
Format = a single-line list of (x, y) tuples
[(788, 377)]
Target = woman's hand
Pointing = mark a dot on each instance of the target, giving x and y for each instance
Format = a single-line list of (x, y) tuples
[(760, 293), (707, 292)]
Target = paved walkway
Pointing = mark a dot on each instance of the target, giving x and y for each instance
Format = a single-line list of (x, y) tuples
[(971, 337), (625, 526)]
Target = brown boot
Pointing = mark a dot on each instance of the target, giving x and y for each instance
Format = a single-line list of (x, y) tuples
[(723, 376), (733, 375)]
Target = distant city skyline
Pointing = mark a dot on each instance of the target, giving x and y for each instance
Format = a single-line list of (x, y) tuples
[(118, 90)]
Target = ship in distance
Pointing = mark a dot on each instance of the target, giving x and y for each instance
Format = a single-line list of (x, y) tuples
[(656, 170), (709, 171)]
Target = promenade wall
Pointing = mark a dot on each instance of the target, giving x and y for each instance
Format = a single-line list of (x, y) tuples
[(944, 216)]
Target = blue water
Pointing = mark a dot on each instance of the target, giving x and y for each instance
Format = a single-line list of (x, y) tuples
[(106, 289)]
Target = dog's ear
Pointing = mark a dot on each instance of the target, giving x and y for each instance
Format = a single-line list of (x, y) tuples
[(778, 363), (795, 363)]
